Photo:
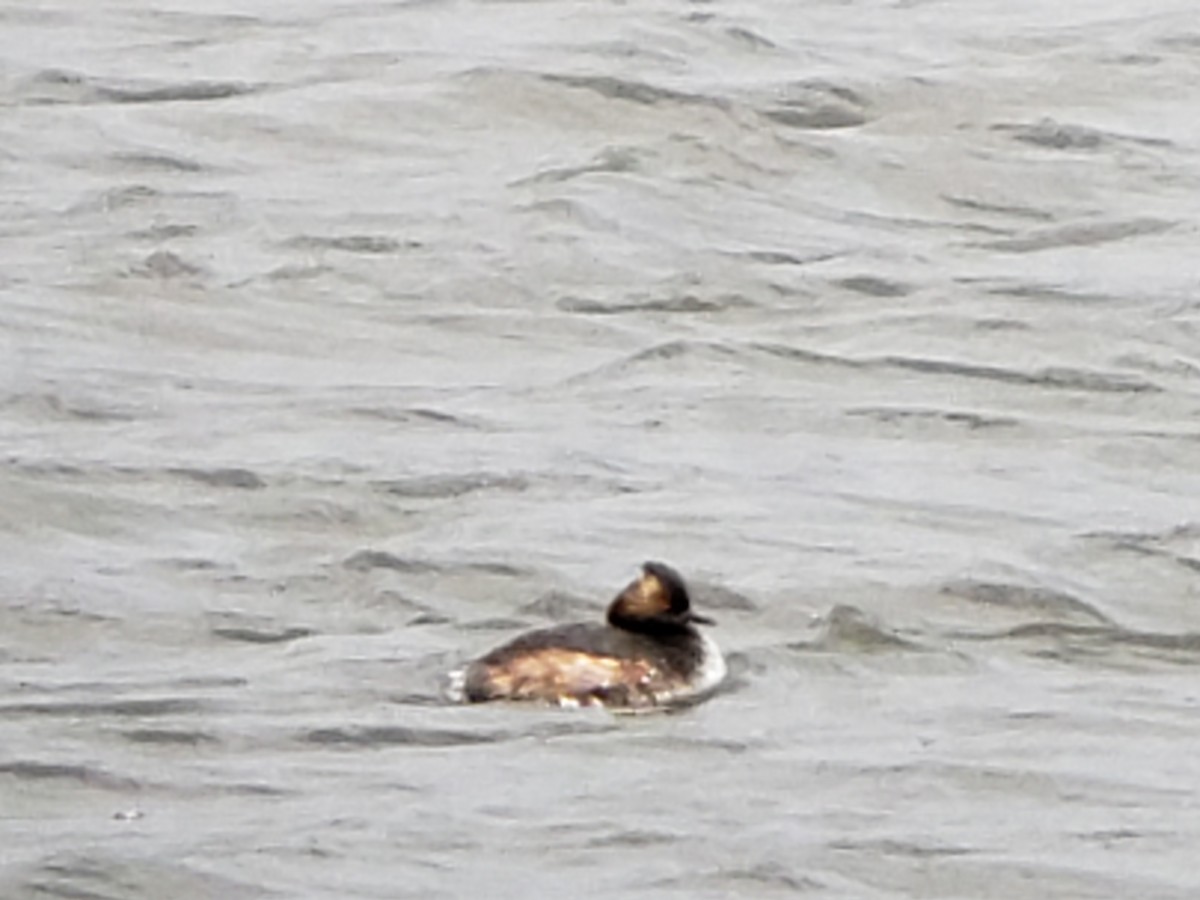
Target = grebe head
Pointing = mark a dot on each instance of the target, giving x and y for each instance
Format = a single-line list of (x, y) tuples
[(657, 601)]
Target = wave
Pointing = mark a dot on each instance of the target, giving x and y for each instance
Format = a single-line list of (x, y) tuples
[(384, 736), (147, 707), (89, 776), (1080, 234), (1068, 642), (436, 487), (848, 629), (1064, 378), (367, 560), (59, 86), (1047, 603)]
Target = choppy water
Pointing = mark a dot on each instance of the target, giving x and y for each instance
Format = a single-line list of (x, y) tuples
[(341, 340)]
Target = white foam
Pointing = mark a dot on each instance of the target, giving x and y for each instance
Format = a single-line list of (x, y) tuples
[(455, 687)]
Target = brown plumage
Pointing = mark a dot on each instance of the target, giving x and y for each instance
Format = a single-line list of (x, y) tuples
[(648, 651)]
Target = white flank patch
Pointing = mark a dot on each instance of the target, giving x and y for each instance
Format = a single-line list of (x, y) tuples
[(712, 671), (708, 678)]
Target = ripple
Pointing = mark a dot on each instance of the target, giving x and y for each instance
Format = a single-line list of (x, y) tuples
[(1071, 642), (159, 232), (416, 415), (559, 606), (873, 286), (706, 595), (58, 86), (166, 265), (1003, 209), (1059, 377), (818, 105), (848, 629), (801, 355), (1053, 135), (51, 404), (750, 39), (251, 635), (635, 838), (912, 849), (242, 479), (761, 879), (382, 736), (395, 735), (631, 91), (782, 257), (1053, 293), (707, 353), (971, 421), (1179, 545), (688, 303), (611, 160), (366, 560), (188, 91), (159, 162), (157, 706), (1059, 605), (89, 776), (435, 487), (495, 623), (1088, 234), (92, 876), (168, 737), (369, 244)]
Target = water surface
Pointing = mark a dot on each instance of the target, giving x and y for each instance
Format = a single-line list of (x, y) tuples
[(341, 341)]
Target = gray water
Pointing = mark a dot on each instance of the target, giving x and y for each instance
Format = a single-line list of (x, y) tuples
[(343, 340)]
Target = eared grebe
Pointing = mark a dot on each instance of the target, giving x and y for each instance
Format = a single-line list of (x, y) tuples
[(650, 653)]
